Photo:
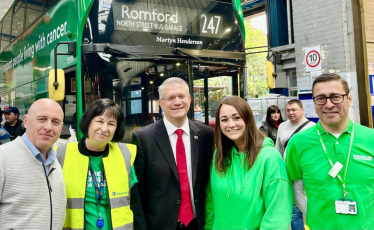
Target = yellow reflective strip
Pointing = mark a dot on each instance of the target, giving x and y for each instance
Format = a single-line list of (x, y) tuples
[(132, 149), (118, 202), (116, 173), (61, 151), (117, 184), (75, 203), (128, 226), (75, 172), (74, 219), (121, 216)]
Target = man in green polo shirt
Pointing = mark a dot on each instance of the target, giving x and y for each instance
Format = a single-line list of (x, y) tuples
[(335, 160)]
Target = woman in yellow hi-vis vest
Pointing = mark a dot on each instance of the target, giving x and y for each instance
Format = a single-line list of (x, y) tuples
[(99, 173)]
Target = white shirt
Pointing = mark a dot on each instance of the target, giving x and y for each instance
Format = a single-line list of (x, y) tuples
[(173, 137)]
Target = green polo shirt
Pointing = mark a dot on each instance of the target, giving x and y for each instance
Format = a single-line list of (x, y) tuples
[(306, 160)]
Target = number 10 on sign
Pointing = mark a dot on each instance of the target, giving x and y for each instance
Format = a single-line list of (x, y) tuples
[(313, 59)]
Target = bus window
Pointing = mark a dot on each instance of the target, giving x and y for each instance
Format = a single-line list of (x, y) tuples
[(129, 48), (18, 19), (34, 11), (220, 84), (6, 30)]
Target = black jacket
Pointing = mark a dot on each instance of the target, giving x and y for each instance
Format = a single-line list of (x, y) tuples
[(14, 131), (271, 133), (156, 170)]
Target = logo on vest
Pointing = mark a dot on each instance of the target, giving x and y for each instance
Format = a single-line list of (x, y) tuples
[(363, 158), (119, 193)]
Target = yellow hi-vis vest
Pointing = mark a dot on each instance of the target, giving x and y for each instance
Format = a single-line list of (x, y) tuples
[(117, 166)]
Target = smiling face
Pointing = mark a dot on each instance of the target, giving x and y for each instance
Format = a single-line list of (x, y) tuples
[(43, 126), (333, 117), (175, 102), (232, 124), (100, 132)]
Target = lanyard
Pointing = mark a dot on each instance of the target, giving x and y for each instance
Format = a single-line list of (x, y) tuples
[(99, 188), (327, 154)]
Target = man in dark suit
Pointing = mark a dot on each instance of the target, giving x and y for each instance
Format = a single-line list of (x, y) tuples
[(172, 163)]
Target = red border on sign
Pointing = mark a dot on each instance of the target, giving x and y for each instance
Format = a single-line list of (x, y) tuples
[(306, 59)]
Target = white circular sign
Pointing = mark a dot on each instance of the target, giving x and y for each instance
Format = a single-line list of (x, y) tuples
[(313, 58)]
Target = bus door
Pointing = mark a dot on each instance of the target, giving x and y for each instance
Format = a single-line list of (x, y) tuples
[(211, 83)]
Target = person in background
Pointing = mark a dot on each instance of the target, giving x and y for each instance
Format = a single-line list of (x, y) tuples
[(99, 173), (296, 120), (4, 135), (67, 136), (272, 122), (13, 124), (173, 162), (295, 123), (249, 187), (32, 189), (335, 161)]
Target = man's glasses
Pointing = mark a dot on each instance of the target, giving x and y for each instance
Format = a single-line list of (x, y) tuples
[(335, 99), (170, 99)]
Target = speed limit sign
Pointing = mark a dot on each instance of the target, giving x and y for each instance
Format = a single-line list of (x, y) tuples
[(313, 59)]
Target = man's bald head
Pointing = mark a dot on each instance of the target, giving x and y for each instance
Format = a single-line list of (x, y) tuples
[(45, 103), (43, 123)]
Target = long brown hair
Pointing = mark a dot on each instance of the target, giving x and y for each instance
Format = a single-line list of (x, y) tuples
[(253, 138)]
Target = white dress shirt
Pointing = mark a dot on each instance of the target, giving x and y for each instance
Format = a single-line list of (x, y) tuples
[(173, 137)]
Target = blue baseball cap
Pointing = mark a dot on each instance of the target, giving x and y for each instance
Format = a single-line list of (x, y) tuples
[(12, 110)]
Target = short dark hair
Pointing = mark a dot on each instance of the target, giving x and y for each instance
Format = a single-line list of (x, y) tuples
[(295, 101), (109, 108), (331, 77)]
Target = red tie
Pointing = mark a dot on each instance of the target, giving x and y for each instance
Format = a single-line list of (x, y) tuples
[(185, 211)]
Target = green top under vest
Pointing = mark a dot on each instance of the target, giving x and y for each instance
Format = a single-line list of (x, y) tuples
[(91, 203)]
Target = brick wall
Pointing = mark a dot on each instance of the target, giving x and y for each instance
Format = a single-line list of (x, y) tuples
[(369, 28), (328, 24)]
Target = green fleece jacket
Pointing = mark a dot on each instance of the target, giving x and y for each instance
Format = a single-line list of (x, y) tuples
[(260, 198)]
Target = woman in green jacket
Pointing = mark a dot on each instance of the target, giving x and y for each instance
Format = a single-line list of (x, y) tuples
[(249, 187)]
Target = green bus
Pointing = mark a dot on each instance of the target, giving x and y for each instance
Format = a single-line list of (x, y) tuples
[(123, 50)]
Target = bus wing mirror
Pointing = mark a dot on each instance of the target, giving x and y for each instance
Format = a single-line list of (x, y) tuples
[(56, 93)]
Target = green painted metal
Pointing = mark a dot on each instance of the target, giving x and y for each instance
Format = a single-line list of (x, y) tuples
[(25, 64), (239, 15), (83, 7)]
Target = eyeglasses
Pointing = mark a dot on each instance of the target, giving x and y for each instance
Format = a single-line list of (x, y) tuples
[(335, 99), (170, 99)]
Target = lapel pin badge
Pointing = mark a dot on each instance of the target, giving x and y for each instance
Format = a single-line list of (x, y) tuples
[(196, 137)]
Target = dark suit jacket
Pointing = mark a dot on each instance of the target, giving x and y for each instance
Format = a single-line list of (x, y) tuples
[(157, 173)]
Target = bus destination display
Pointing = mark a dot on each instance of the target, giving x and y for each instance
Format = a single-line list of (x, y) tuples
[(161, 19)]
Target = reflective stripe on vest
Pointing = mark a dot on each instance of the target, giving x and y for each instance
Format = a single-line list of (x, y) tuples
[(75, 169)]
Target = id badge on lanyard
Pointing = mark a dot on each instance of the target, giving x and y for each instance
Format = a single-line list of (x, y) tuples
[(343, 205)]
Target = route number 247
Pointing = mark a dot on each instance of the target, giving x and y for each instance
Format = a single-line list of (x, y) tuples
[(212, 25)]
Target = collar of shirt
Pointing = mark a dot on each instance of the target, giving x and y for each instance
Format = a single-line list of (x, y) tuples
[(51, 154), (170, 128), (348, 129)]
